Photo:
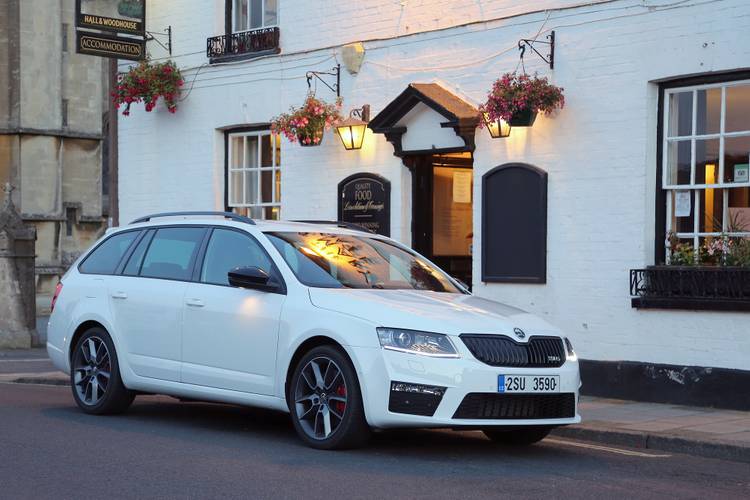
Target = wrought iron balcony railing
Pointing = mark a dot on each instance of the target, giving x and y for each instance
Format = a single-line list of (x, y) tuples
[(684, 287), (243, 44)]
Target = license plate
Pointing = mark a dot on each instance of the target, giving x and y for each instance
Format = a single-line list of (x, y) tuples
[(528, 383)]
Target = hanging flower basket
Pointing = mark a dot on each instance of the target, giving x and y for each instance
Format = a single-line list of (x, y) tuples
[(307, 124), (517, 99), (148, 82)]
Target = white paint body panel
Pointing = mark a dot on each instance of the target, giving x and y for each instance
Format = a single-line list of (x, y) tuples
[(237, 346)]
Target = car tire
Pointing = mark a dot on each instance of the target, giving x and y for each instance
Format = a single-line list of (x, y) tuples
[(518, 437), (95, 375), (332, 416)]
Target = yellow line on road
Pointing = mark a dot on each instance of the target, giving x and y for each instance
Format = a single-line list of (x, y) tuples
[(608, 449)]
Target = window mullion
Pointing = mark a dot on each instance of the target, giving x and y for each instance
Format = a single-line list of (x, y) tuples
[(693, 130), (696, 219), (722, 129), (725, 210)]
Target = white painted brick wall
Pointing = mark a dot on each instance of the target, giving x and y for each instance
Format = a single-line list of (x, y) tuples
[(599, 151)]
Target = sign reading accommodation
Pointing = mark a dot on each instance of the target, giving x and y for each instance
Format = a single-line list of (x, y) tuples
[(96, 18), (365, 199)]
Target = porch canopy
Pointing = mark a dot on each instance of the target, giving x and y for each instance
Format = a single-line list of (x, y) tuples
[(427, 118)]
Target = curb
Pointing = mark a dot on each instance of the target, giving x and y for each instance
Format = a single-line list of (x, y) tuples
[(41, 381), (675, 444)]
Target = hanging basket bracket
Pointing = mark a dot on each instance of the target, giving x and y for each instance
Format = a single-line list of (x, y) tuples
[(529, 42), (334, 87)]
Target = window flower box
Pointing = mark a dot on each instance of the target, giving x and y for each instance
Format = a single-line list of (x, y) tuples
[(718, 288)]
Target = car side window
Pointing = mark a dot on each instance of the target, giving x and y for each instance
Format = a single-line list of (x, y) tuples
[(133, 267), (104, 259), (172, 253), (228, 250)]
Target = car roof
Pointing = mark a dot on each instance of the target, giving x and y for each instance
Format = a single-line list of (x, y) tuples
[(333, 227)]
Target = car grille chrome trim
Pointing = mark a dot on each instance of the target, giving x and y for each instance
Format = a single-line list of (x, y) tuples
[(500, 350)]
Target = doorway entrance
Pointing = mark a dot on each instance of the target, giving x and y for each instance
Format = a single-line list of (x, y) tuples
[(442, 210)]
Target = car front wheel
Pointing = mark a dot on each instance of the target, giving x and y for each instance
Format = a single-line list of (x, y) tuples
[(518, 437), (325, 401)]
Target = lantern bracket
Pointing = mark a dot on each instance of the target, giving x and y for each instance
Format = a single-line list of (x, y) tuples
[(335, 71), (528, 42), (362, 113), (151, 35)]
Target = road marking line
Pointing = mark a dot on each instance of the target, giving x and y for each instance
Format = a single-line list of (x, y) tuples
[(620, 451)]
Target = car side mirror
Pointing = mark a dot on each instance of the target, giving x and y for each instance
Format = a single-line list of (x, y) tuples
[(253, 278)]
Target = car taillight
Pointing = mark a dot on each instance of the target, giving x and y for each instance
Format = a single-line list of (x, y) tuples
[(58, 289)]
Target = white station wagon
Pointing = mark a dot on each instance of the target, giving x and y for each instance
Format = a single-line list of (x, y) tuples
[(346, 330)]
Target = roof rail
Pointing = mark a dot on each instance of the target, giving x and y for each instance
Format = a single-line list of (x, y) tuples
[(228, 215), (347, 225)]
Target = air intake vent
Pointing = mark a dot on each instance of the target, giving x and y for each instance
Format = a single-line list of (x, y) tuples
[(479, 405), (499, 350)]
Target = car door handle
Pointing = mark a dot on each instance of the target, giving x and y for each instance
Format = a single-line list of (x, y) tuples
[(119, 295), (194, 302)]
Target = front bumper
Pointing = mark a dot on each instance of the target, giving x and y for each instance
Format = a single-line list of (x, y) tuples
[(463, 376)]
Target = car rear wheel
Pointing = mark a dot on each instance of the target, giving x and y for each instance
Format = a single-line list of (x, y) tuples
[(325, 401), (518, 437), (95, 375)]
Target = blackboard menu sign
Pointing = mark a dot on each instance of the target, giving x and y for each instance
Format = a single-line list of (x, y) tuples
[(365, 199)]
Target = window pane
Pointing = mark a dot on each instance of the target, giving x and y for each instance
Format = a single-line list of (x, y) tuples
[(251, 186), (240, 15), (712, 210), (251, 152), (237, 143), (707, 161), (134, 263), (266, 159), (680, 113), (278, 186), (271, 213), (736, 159), (235, 191), (683, 212), (678, 162), (266, 186), (256, 13), (277, 138), (228, 250), (738, 108), (708, 114), (172, 252), (270, 15), (105, 258), (739, 210), (256, 212)]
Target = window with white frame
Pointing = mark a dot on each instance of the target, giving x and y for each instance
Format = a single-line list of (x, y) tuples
[(706, 161), (254, 14), (253, 174)]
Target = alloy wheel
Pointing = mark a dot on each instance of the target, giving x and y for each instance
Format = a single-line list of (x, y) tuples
[(92, 370), (320, 397)]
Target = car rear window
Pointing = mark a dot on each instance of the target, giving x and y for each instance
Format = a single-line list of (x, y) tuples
[(105, 257)]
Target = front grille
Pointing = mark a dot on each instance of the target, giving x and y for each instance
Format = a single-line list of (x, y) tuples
[(480, 405), (499, 350)]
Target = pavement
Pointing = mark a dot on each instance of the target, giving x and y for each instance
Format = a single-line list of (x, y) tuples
[(698, 431)]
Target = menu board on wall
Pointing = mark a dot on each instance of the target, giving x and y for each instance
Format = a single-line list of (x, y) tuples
[(365, 199)]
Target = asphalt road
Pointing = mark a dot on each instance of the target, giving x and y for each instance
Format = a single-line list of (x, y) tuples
[(167, 449)]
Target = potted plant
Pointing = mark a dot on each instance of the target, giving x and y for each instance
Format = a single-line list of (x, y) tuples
[(147, 82), (307, 123), (517, 99)]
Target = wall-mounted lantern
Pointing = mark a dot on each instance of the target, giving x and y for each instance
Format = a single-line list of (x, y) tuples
[(497, 128), (352, 130)]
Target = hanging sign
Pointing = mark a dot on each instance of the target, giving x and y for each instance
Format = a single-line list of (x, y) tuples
[(365, 199), (117, 16), (110, 46)]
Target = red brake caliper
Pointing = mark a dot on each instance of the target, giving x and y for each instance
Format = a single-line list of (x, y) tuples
[(340, 405)]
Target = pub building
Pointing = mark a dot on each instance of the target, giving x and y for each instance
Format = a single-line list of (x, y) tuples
[(622, 218)]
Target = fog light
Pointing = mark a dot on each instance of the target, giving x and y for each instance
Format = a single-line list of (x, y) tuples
[(415, 399), (433, 390)]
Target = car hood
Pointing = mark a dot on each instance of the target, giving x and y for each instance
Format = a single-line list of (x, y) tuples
[(449, 313)]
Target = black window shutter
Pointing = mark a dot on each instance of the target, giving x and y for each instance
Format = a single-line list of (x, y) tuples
[(514, 224)]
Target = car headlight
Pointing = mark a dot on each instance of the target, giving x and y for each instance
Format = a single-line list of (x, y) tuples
[(570, 353), (416, 342)]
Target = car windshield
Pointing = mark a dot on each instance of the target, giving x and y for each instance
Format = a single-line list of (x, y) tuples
[(345, 261)]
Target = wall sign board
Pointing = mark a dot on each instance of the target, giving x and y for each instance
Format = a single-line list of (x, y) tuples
[(365, 199), (97, 44), (514, 224), (117, 16)]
